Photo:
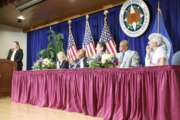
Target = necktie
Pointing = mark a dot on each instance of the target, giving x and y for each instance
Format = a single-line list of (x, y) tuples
[(123, 62), (123, 56)]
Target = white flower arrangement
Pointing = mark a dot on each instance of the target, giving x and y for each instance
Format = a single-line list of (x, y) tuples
[(43, 64), (106, 58), (107, 61)]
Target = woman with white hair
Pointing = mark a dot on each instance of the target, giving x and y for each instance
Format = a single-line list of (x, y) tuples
[(157, 51)]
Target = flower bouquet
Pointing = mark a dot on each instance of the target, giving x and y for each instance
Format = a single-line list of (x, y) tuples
[(107, 61), (42, 64)]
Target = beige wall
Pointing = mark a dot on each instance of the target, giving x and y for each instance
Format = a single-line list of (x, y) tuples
[(7, 36)]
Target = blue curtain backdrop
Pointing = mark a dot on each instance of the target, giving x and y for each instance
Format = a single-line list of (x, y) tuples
[(171, 13)]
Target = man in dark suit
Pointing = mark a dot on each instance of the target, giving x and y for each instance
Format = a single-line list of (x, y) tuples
[(81, 61), (62, 62), (100, 50), (16, 54)]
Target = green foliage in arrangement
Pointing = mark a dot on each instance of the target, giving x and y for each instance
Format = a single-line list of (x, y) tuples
[(47, 57), (55, 45)]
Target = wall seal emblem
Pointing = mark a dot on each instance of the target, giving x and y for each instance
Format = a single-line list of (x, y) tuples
[(134, 18)]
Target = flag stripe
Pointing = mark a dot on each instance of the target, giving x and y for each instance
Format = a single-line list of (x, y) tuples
[(72, 50), (108, 48), (107, 38), (87, 54), (88, 41), (87, 48), (113, 47), (92, 49)]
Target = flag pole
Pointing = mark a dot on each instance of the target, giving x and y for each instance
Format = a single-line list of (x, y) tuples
[(158, 10), (87, 17), (105, 13), (69, 22)]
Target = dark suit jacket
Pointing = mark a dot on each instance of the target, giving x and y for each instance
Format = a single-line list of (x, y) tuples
[(78, 63), (64, 64), (17, 58), (99, 56)]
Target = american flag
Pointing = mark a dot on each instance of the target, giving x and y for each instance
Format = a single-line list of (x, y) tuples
[(107, 38), (72, 50), (88, 43)]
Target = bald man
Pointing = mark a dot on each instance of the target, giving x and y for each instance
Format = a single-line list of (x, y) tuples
[(127, 58)]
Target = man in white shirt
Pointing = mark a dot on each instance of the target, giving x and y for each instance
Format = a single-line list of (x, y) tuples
[(127, 58)]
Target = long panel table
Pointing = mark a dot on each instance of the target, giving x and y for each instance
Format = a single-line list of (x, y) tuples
[(151, 93)]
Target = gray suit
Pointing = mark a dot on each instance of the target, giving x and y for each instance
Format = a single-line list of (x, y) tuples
[(128, 59)]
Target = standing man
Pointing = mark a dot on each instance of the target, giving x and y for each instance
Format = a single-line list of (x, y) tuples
[(127, 58)]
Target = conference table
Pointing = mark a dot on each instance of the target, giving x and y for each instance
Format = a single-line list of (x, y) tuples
[(144, 93)]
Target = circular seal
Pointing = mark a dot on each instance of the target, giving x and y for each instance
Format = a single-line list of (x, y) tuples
[(134, 18)]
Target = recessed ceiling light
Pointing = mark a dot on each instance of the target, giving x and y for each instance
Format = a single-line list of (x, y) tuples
[(72, 1), (21, 17)]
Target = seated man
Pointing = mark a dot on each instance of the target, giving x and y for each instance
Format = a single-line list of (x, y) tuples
[(81, 61), (71, 63), (100, 50), (127, 58), (62, 62), (156, 51), (176, 58)]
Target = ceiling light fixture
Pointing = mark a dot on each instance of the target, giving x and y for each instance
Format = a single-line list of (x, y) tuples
[(21, 17), (27, 4)]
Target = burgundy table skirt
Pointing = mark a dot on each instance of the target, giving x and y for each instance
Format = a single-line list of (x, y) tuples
[(114, 94)]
